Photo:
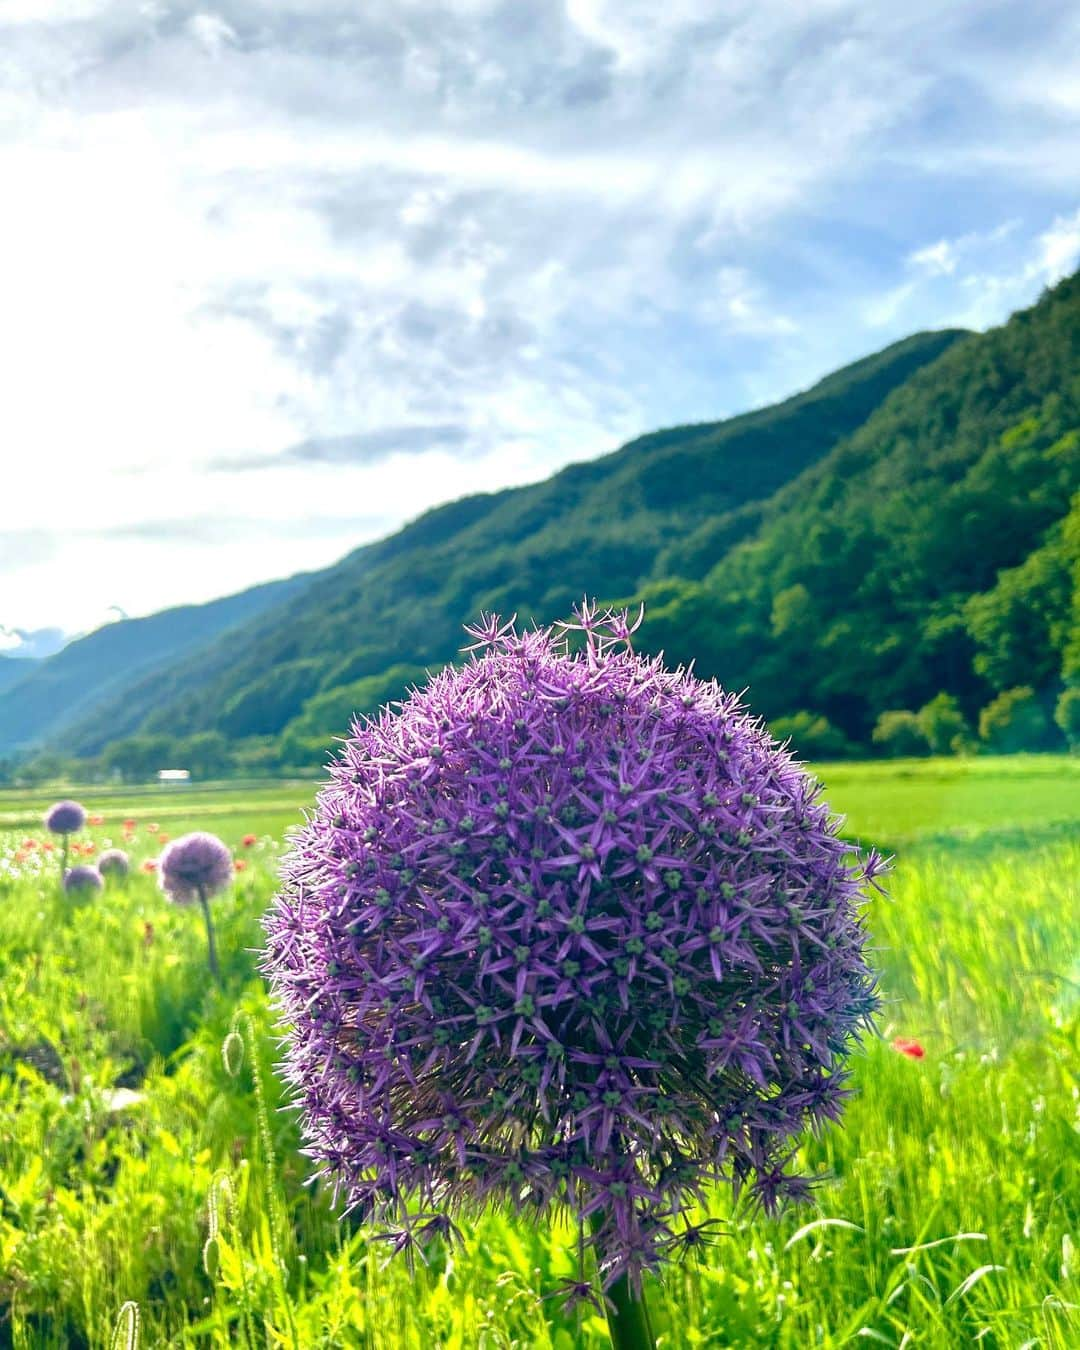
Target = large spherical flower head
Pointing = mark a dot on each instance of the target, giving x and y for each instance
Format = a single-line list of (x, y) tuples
[(65, 817), (113, 862), (194, 863), (567, 929), (82, 881)]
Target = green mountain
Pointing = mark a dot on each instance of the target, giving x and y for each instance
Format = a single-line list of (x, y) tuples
[(360, 631), (932, 551), (43, 699), (13, 669)]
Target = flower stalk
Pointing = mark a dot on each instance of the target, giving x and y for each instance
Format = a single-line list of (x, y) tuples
[(211, 947)]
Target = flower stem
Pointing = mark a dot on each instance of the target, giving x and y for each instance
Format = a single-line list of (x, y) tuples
[(627, 1313), (628, 1323), (211, 947)]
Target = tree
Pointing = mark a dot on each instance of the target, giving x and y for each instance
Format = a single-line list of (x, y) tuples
[(812, 736), (943, 725), (1067, 715), (137, 758), (898, 733), (206, 754), (1019, 627), (1014, 721)]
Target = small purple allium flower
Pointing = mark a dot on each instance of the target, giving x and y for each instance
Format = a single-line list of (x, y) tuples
[(568, 929), (65, 817), (113, 862), (194, 866), (82, 879)]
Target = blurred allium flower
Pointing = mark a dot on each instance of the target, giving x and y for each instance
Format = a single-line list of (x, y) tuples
[(195, 864), (195, 867), (113, 862), (82, 879), (568, 929), (65, 817)]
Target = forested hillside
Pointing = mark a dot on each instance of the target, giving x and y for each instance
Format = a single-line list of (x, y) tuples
[(361, 630), (890, 561), (13, 669), (43, 698), (933, 551)]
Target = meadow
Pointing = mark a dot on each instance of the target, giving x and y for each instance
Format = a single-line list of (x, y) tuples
[(152, 1193)]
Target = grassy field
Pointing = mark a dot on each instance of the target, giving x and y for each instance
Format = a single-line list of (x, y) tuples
[(949, 1214)]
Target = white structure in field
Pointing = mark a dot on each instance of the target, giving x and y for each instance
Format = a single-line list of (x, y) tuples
[(174, 775)]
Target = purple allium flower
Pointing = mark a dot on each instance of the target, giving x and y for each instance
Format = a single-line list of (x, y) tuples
[(65, 817), (567, 929), (82, 879), (194, 866), (113, 862)]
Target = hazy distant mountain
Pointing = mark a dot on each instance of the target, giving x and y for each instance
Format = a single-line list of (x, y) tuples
[(13, 669), (31, 644), (41, 699), (605, 527)]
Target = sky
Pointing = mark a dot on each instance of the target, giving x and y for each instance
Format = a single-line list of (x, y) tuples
[(278, 275)]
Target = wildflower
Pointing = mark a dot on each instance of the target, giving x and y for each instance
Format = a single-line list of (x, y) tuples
[(163, 837), (240, 865), (912, 1049), (249, 840), (196, 867), (130, 823), (96, 820), (567, 930), (153, 829), (30, 844), (149, 865), (113, 862), (82, 881), (65, 818)]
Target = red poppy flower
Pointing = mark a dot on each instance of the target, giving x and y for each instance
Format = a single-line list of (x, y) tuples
[(912, 1049), (96, 820), (163, 837), (48, 846), (130, 824), (30, 844), (149, 865), (240, 864), (249, 839)]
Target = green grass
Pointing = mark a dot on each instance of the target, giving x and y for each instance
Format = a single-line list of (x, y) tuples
[(970, 1156)]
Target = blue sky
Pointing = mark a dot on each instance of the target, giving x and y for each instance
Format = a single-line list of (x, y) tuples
[(277, 275)]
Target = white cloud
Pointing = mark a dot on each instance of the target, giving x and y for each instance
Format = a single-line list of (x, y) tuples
[(211, 32), (936, 259), (1060, 248), (234, 228)]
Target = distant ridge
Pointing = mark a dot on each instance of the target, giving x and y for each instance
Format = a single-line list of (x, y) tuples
[(13, 669), (606, 526), (41, 699)]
